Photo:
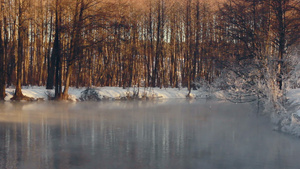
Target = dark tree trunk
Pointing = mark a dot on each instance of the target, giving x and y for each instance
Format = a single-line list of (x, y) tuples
[(51, 62), (156, 69), (196, 52), (18, 93), (75, 48), (2, 66), (56, 54), (281, 32)]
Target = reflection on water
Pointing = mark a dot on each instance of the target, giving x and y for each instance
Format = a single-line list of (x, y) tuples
[(140, 135)]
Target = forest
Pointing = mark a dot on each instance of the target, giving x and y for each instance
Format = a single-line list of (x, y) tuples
[(146, 43)]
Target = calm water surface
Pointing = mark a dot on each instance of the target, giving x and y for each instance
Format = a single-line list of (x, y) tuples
[(133, 135)]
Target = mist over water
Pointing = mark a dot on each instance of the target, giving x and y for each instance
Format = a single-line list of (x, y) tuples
[(176, 134)]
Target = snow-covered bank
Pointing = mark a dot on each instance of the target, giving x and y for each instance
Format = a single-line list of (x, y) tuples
[(110, 93), (288, 120)]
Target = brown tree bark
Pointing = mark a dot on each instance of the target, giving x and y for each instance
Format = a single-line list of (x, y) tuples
[(2, 64), (76, 50), (18, 92), (56, 55)]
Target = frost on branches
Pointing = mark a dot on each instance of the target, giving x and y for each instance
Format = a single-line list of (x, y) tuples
[(256, 81)]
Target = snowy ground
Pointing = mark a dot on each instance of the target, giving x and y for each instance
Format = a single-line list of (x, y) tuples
[(111, 93)]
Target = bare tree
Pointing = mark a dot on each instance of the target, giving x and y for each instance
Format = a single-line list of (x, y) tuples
[(22, 6), (2, 59)]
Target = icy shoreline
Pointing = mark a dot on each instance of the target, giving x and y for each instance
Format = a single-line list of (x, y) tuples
[(110, 93)]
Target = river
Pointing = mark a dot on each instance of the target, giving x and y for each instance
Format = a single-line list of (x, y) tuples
[(175, 134)]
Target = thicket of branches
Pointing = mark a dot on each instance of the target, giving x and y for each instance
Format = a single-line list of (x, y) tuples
[(150, 43)]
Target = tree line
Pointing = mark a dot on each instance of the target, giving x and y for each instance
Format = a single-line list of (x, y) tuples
[(144, 43)]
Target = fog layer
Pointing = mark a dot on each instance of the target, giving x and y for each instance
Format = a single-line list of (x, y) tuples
[(141, 135)]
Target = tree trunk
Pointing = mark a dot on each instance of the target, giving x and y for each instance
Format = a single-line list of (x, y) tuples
[(56, 55), (156, 70), (51, 62), (75, 47), (2, 66), (18, 93)]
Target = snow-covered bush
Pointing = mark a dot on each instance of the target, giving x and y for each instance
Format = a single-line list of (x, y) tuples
[(242, 81), (200, 83), (252, 79), (287, 117), (260, 78), (221, 83), (294, 74), (50, 95), (90, 94)]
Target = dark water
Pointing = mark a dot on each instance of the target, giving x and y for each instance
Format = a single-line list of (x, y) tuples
[(133, 135)]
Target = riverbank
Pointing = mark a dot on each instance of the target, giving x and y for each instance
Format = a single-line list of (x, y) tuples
[(288, 120), (110, 93)]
